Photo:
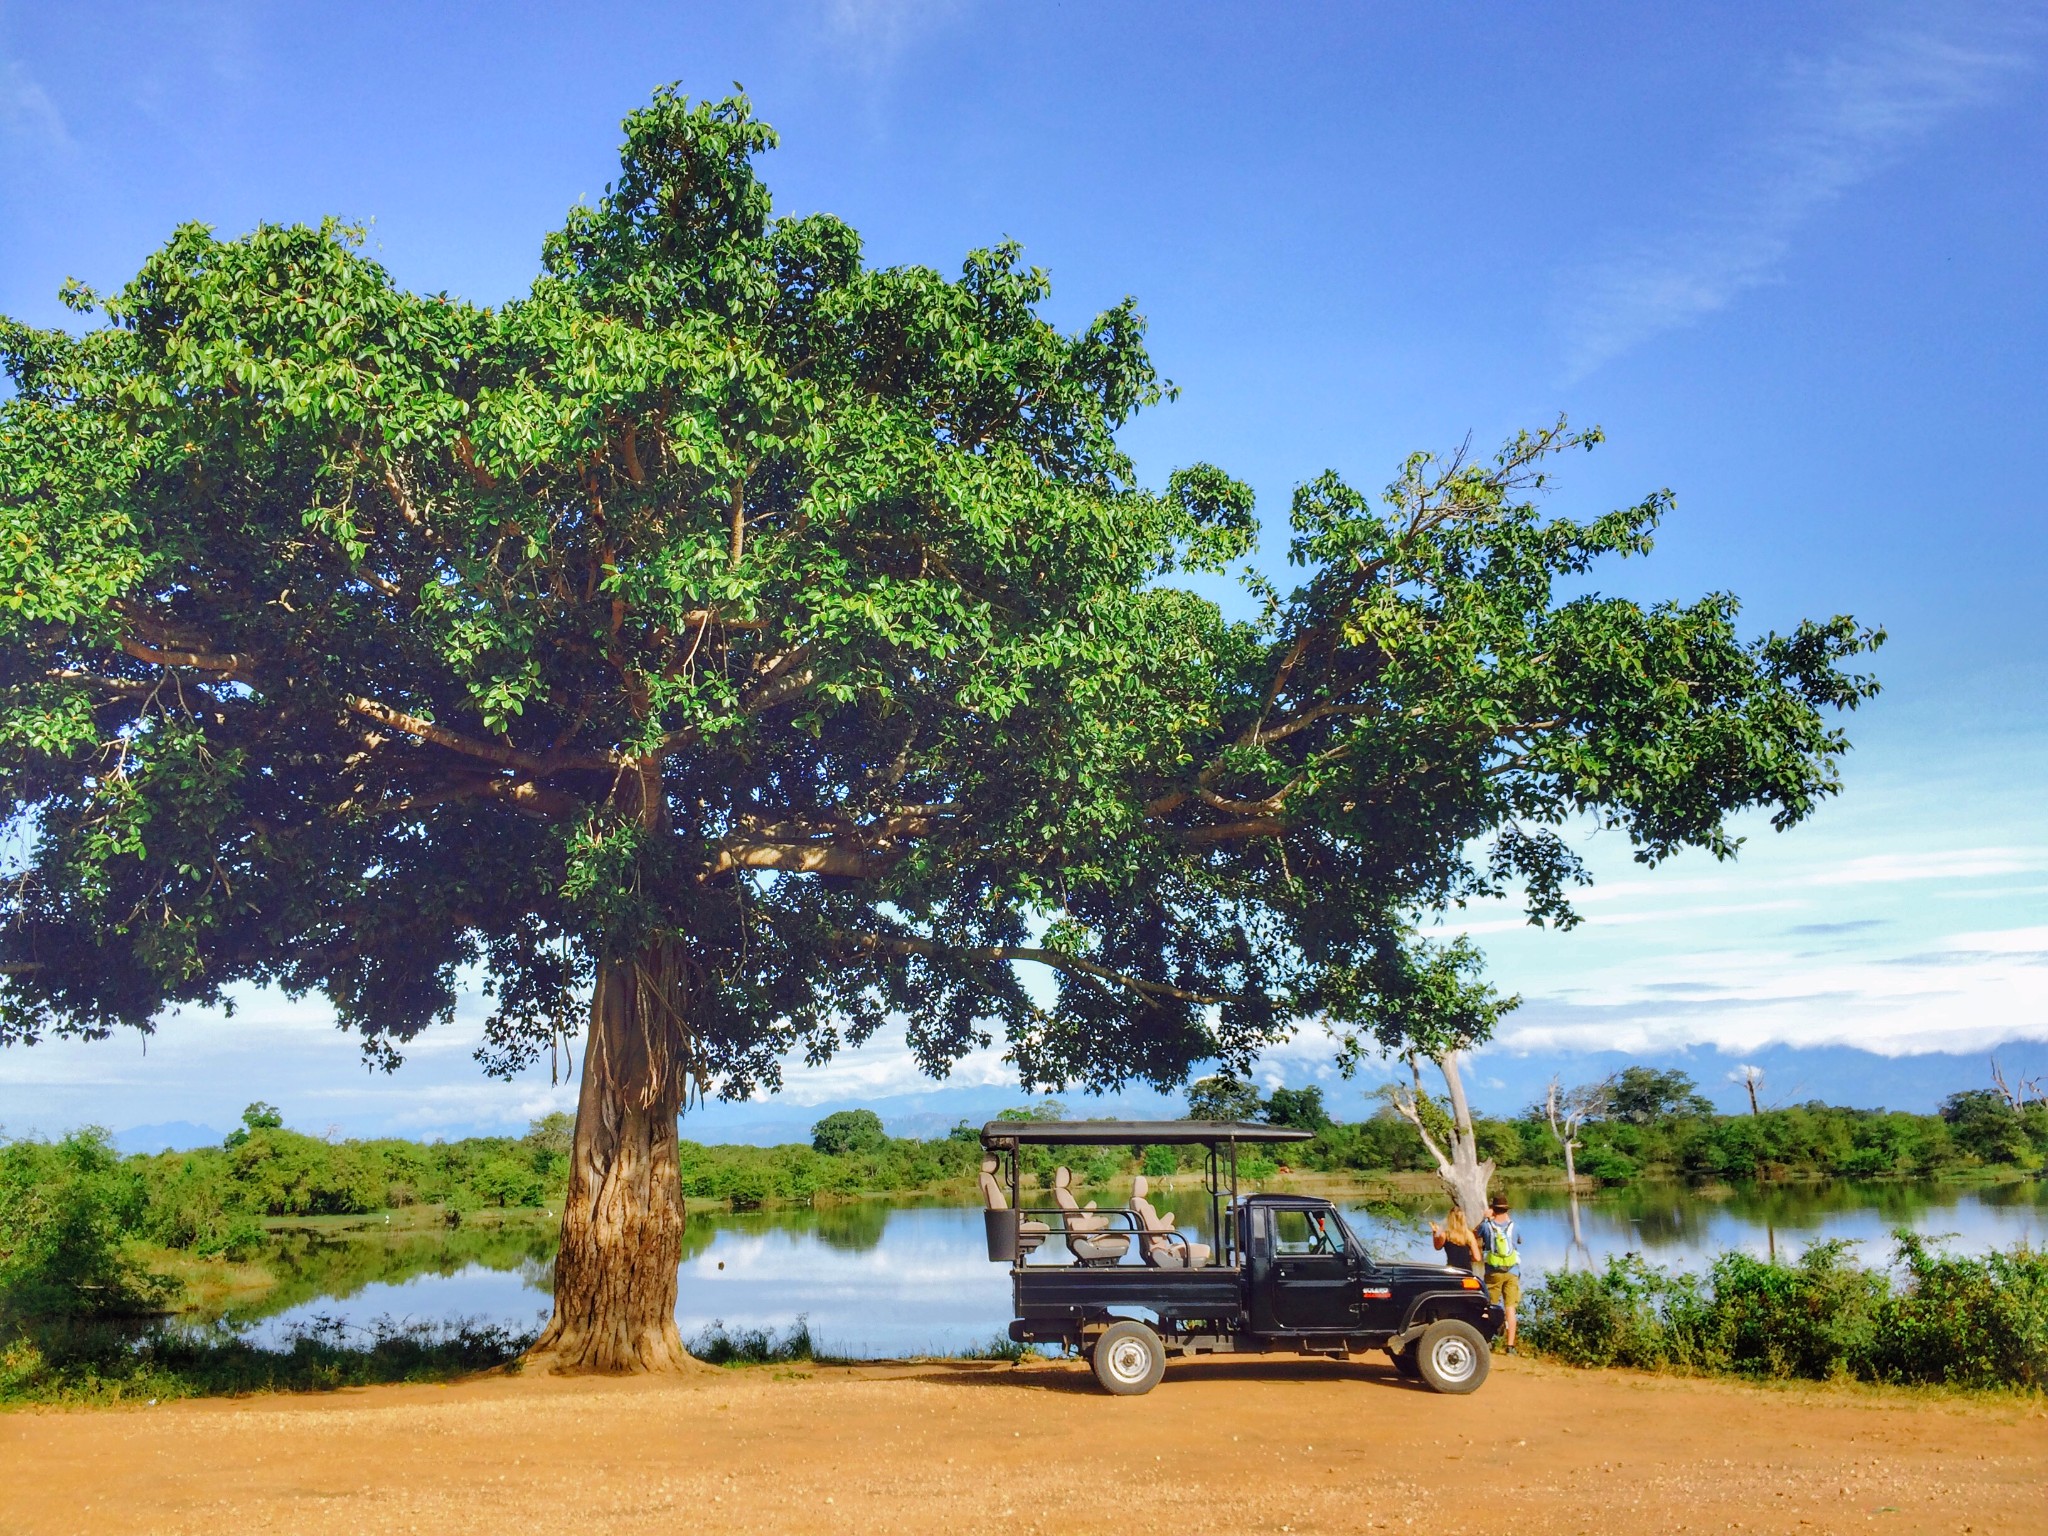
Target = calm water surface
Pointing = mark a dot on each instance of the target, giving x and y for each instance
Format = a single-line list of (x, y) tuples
[(884, 1279)]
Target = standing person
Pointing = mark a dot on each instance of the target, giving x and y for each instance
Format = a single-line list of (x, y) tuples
[(1454, 1236), (1499, 1246)]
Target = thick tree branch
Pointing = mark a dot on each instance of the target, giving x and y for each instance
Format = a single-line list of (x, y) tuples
[(783, 680), (234, 664), (818, 858), (1235, 831), (1057, 959), (484, 751), (120, 687)]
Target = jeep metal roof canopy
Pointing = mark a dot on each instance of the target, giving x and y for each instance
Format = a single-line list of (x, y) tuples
[(1131, 1133)]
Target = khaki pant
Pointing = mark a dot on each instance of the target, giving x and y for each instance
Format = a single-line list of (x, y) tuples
[(1504, 1287)]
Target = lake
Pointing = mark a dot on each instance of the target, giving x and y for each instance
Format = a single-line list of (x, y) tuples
[(889, 1279)]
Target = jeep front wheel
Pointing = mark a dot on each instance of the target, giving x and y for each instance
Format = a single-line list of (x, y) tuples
[(1452, 1356), (1128, 1359)]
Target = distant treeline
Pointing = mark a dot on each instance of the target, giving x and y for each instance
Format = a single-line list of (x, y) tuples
[(1655, 1124), (78, 1221), (1808, 1140)]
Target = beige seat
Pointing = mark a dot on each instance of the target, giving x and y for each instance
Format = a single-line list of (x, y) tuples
[(1088, 1235), (1029, 1233), (1156, 1245)]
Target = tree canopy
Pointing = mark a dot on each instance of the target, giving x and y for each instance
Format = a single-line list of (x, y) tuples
[(728, 593), (1642, 1095)]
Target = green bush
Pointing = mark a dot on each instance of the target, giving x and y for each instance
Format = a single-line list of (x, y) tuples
[(67, 1212), (1606, 1164), (1956, 1320), (1977, 1322), (1628, 1314), (1814, 1319), (1159, 1162)]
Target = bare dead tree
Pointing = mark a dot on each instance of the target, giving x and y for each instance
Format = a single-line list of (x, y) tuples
[(2029, 1091), (1465, 1174), (1749, 1077), (1568, 1110)]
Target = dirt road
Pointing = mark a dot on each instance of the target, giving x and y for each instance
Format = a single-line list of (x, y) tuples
[(1306, 1446)]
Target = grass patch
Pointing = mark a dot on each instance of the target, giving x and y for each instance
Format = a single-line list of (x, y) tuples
[(103, 1366), (718, 1345), (1001, 1346)]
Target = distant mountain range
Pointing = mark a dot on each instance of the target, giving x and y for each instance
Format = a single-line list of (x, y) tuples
[(170, 1136), (1501, 1082)]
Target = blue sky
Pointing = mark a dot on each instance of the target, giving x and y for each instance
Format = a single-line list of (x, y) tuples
[(1791, 258)]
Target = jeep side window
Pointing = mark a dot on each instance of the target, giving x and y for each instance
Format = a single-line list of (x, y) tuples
[(1296, 1232)]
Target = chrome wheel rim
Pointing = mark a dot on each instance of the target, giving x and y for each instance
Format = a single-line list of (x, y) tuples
[(1130, 1360), (1454, 1358)]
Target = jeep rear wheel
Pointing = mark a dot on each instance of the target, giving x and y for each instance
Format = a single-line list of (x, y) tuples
[(1128, 1359), (1452, 1356)]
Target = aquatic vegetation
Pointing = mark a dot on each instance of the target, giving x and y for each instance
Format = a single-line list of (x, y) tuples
[(89, 1365)]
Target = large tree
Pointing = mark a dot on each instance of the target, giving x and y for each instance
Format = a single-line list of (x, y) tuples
[(764, 645), (725, 628)]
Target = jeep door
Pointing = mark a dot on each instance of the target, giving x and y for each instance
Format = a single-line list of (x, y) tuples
[(1314, 1288)]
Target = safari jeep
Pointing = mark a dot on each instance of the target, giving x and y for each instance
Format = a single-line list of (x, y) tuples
[(1127, 1289)]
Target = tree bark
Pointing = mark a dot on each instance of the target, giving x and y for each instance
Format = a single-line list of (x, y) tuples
[(1469, 1176), (1564, 1126), (1465, 1174), (622, 1223)]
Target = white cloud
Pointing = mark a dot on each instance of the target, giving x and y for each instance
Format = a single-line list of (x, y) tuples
[(1628, 919), (1837, 121), (885, 1068), (1966, 992), (1945, 864), (27, 114)]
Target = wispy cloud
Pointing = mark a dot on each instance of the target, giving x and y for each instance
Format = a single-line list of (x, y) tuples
[(28, 116), (874, 34), (1835, 121)]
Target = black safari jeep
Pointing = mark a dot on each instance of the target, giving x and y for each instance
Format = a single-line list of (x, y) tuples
[(1286, 1273)]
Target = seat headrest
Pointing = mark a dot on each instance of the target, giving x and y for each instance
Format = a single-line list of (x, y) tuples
[(1061, 1178), (988, 1165), (1139, 1188)]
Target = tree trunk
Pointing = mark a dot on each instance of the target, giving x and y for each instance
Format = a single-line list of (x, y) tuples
[(1464, 1174), (1571, 1167), (1467, 1176), (622, 1224)]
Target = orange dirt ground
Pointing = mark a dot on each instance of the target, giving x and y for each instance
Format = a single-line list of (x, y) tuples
[(1238, 1446)]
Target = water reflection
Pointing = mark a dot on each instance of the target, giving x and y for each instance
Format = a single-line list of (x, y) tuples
[(1685, 1228), (877, 1278)]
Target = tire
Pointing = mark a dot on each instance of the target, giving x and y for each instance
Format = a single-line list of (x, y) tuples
[(1407, 1363), (1452, 1357), (1128, 1359)]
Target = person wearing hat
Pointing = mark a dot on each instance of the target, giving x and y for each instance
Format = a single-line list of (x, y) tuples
[(1499, 1246)]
